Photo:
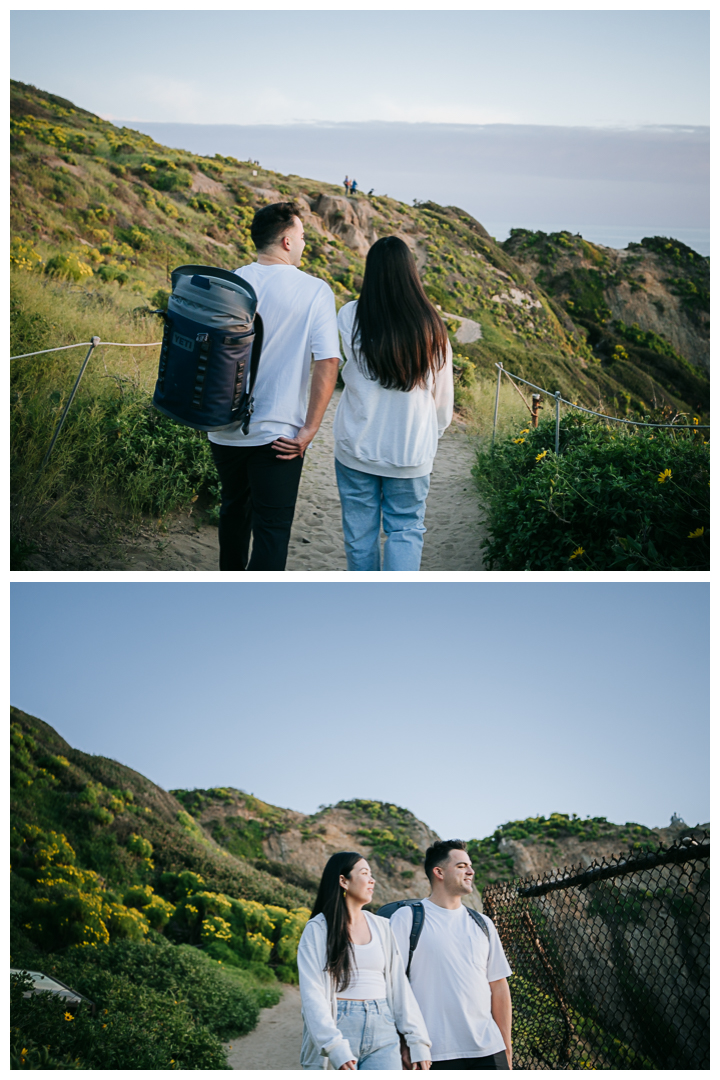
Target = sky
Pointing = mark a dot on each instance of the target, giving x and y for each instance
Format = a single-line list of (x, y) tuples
[(593, 121), (470, 704), (569, 68)]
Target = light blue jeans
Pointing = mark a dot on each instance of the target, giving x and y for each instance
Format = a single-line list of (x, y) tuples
[(370, 1029), (397, 502)]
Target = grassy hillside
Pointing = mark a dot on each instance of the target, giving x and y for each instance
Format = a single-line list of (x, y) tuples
[(118, 892), (99, 217)]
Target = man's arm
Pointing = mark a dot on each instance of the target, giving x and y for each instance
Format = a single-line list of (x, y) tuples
[(324, 379), (501, 1009)]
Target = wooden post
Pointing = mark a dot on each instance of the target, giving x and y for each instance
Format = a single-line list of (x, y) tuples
[(497, 401), (536, 406)]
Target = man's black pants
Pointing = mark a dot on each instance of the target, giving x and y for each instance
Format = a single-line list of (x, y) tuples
[(259, 492), (491, 1061)]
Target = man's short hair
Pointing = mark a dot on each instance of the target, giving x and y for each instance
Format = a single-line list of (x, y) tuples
[(271, 222), (439, 853)]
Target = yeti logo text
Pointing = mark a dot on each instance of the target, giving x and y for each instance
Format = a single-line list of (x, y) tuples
[(183, 342)]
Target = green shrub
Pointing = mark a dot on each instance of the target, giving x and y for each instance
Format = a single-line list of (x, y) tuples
[(613, 499), (134, 1027), (171, 179), (221, 1000), (139, 846), (68, 266)]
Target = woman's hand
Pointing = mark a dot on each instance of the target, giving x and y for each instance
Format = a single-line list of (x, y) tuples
[(422, 1064), (349, 1064)]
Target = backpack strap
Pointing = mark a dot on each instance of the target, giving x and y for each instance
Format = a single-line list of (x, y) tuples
[(479, 919), (254, 364), (418, 919)]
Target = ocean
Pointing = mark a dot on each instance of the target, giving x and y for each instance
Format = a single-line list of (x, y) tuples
[(612, 186)]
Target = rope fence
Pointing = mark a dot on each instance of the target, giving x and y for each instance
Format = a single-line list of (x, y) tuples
[(611, 963), (557, 397), (94, 342)]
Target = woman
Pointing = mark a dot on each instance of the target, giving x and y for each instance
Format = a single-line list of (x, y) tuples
[(355, 995), (397, 402)]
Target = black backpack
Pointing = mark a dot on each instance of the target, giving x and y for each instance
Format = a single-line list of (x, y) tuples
[(210, 350), (418, 920)]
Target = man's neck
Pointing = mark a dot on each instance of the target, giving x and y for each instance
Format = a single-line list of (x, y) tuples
[(273, 258), (442, 899)]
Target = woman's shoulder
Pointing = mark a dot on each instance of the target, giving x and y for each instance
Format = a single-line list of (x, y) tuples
[(377, 920), (346, 315)]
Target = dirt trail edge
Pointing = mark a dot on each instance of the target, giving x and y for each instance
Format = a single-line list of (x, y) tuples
[(454, 522), (275, 1042)]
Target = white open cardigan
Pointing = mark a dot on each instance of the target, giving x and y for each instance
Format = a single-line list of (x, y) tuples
[(323, 1043)]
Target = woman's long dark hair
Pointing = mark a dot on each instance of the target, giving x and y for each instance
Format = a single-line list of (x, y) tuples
[(398, 336), (331, 903)]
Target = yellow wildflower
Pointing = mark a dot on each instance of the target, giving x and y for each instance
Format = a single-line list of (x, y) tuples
[(539, 457), (69, 1016), (697, 532), (525, 431), (666, 474), (696, 419), (518, 440), (577, 551)]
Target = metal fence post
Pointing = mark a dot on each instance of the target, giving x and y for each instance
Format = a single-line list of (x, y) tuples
[(557, 422), (93, 344), (497, 400)]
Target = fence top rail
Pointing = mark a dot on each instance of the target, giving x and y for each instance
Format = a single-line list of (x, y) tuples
[(686, 849), (616, 419), (94, 342)]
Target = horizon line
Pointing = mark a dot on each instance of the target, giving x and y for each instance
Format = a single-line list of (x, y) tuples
[(417, 123)]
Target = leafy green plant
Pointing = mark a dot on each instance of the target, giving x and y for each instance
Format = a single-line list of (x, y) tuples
[(612, 499)]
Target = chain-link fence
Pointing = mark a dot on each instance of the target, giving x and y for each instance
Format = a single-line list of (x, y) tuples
[(611, 962)]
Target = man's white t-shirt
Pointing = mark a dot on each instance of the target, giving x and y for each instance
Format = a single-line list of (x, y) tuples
[(451, 970), (299, 322)]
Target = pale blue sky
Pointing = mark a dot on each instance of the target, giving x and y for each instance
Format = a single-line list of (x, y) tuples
[(470, 704), (459, 67)]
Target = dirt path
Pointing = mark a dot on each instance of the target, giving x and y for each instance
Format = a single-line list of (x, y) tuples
[(275, 1042), (453, 519)]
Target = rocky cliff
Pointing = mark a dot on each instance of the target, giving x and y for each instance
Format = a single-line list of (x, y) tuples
[(296, 846)]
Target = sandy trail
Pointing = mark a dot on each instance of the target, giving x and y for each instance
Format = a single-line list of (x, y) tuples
[(453, 519), (275, 1042)]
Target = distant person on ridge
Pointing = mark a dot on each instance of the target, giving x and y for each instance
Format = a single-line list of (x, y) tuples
[(353, 189), (458, 975), (397, 402), (260, 472), (346, 182)]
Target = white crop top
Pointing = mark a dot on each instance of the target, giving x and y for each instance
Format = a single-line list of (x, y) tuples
[(368, 978)]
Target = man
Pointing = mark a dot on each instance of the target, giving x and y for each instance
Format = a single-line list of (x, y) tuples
[(260, 472), (458, 976)]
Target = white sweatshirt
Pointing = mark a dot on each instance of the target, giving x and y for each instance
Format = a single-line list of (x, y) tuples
[(323, 1043), (388, 432)]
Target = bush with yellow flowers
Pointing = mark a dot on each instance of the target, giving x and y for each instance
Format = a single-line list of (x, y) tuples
[(68, 265), (23, 255), (614, 498)]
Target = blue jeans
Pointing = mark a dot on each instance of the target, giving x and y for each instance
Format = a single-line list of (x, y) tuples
[(399, 502), (370, 1029)]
